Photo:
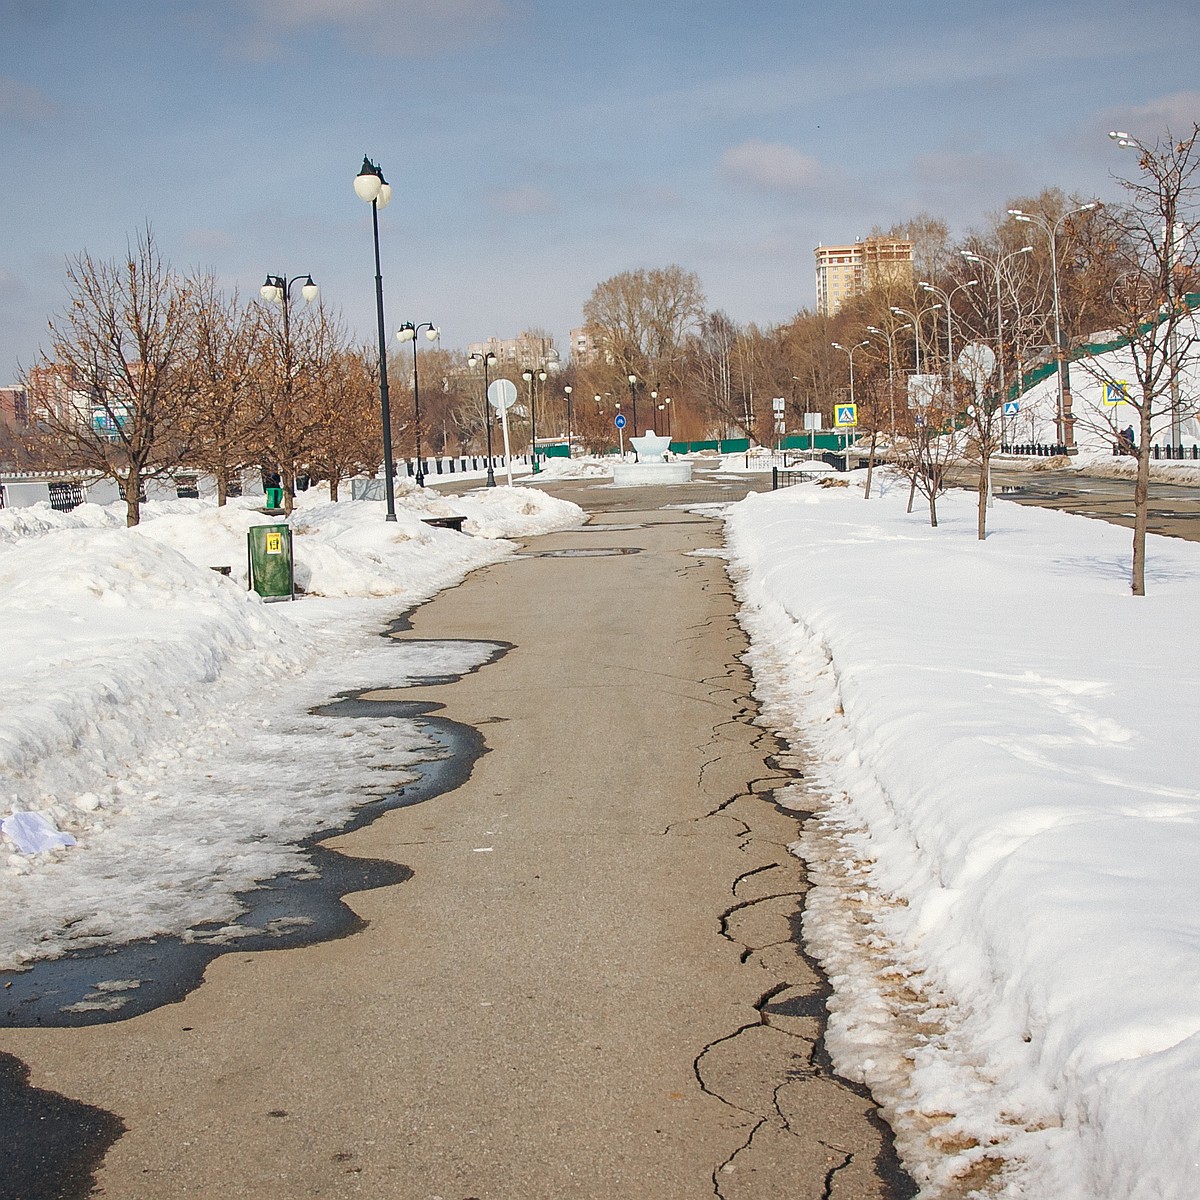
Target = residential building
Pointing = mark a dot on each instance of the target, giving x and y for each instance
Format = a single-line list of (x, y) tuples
[(14, 406), (525, 350), (845, 271)]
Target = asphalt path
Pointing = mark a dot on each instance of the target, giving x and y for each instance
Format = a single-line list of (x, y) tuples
[(593, 984), (1174, 509)]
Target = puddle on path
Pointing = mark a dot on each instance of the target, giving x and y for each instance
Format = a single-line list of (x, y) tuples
[(101, 984)]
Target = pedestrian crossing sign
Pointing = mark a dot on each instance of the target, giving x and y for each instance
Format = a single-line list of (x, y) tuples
[(1115, 393), (845, 416)]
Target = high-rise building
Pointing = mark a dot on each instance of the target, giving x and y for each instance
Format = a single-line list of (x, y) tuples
[(845, 271)]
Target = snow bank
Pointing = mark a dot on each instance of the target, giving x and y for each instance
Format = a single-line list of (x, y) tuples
[(158, 712), (1008, 836)]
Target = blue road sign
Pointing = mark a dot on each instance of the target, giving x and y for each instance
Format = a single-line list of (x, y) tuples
[(1011, 408), (619, 420)]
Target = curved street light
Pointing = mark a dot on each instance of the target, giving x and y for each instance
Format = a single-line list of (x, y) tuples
[(997, 265), (408, 333), (915, 318), (567, 390), (1128, 142), (371, 188), (946, 298), (890, 335), (1066, 422), (488, 360), (848, 351)]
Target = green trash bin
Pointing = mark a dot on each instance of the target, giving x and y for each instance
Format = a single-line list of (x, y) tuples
[(274, 498), (269, 556)]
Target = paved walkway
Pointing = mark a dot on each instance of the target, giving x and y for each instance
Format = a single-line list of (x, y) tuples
[(589, 989)]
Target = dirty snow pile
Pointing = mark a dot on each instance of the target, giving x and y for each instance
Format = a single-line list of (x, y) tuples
[(1007, 845), (156, 713)]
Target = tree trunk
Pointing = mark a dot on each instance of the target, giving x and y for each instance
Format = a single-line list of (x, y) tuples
[(984, 477), (333, 486), (222, 489), (132, 488), (870, 466), (1141, 493), (933, 507)]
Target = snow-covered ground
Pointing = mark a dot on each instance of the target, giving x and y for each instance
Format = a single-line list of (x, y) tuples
[(1008, 842), (157, 712)]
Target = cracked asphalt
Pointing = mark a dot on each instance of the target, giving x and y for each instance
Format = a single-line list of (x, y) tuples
[(591, 987)]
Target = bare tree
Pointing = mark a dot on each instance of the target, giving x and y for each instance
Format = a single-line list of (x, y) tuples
[(1156, 240), (113, 393)]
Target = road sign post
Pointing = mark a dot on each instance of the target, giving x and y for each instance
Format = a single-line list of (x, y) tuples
[(502, 395), (619, 422)]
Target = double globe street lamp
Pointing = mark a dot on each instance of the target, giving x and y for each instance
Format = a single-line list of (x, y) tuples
[(533, 377), (371, 187), (408, 333), (488, 359)]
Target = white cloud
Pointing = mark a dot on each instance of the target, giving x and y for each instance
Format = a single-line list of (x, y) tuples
[(1177, 112), (771, 166)]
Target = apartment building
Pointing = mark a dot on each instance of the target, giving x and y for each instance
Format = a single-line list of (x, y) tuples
[(525, 350), (845, 271)]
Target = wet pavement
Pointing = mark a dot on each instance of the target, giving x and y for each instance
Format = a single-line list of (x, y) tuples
[(591, 981)]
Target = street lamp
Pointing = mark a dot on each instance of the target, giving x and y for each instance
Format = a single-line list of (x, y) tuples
[(889, 335), (532, 378), (849, 353), (488, 360), (1066, 423), (666, 404), (633, 400), (946, 298), (654, 408), (915, 318), (278, 290), (997, 265), (1171, 230), (371, 187), (567, 389), (408, 333)]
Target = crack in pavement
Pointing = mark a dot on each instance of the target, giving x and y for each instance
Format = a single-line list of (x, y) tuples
[(812, 1132)]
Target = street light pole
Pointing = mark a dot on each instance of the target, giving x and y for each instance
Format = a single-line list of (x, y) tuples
[(915, 318), (849, 353), (532, 377), (1066, 422), (1170, 229), (997, 264), (371, 187), (567, 389), (408, 333), (891, 345), (946, 298), (278, 290), (489, 360)]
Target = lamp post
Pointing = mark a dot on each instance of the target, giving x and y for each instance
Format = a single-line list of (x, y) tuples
[(654, 409), (666, 406), (408, 333), (889, 335), (1171, 230), (532, 378), (946, 298), (371, 187), (489, 360), (567, 390), (915, 318), (633, 400), (1066, 422), (997, 265), (278, 290), (849, 353)]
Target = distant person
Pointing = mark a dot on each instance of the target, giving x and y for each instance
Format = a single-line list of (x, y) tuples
[(1126, 442)]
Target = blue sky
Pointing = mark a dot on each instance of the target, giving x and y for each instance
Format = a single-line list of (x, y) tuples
[(537, 148)]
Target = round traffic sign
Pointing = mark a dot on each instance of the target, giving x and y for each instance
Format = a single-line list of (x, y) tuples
[(619, 420), (502, 393)]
